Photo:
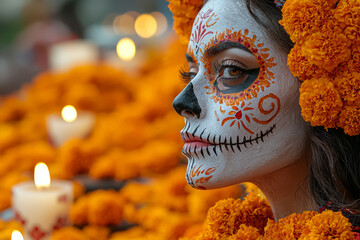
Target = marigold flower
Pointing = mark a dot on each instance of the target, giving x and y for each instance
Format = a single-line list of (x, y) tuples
[(328, 225), (349, 120), (347, 14), (184, 12), (227, 215), (347, 83), (131, 233), (290, 227), (246, 233), (70, 233), (79, 211), (320, 102), (94, 232), (105, 208), (304, 17), (326, 49), (300, 67)]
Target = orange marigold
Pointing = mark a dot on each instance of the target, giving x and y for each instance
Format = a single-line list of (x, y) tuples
[(300, 67), (328, 225), (227, 215), (347, 14), (347, 83), (246, 233), (184, 12), (105, 208), (289, 227), (320, 102), (69, 233), (304, 17), (256, 211), (349, 120), (326, 49)]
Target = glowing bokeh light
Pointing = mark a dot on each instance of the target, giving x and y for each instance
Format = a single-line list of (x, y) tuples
[(162, 23), (126, 49), (69, 113), (41, 175), (16, 235), (145, 26), (124, 24)]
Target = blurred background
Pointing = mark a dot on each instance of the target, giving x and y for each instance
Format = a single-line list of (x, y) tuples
[(116, 62), (32, 32)]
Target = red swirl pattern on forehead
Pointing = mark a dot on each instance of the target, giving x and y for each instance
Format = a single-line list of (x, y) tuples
[(264, 80)]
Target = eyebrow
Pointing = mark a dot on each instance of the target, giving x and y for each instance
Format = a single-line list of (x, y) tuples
[(212, 51)]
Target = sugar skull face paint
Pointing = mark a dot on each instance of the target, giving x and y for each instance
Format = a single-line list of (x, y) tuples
[(241, 103)]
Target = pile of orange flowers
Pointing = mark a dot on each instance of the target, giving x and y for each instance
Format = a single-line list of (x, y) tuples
[(326, 58), (184, 14), (163, 207), (251, 219), (129, 138)]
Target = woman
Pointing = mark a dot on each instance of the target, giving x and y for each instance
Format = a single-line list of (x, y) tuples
[(241, 103)]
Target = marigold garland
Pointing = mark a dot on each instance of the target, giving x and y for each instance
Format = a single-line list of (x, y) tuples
[(221, 223)]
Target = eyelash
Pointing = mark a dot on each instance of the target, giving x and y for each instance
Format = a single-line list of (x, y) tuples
[(185, 75)]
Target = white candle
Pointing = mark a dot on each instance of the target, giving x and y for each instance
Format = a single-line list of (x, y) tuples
[(42, 207), (16, 235), (66, 55), (69, 125)]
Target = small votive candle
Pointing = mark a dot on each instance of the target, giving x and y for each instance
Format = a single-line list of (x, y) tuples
[(42, 206), (69, 125)]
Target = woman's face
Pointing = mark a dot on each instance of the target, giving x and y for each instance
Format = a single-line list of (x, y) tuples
[(242, 117)]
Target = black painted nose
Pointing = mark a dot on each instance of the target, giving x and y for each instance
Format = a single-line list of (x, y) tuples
[(186, 103)]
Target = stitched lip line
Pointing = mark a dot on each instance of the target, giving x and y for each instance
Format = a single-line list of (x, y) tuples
[(217, 142)]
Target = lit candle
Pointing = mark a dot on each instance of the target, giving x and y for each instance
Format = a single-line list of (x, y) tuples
[(16, 235), (40, 206), (69, 125)]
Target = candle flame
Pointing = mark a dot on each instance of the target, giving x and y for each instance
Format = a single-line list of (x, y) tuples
[(16, 235), (69, 113), (41, 175)]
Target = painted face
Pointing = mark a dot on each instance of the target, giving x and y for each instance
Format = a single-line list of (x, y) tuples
[(241, 103)]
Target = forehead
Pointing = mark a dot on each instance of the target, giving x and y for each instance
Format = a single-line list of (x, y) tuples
[(217, 16)]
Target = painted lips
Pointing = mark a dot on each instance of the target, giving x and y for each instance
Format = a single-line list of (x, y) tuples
[(196, 144)]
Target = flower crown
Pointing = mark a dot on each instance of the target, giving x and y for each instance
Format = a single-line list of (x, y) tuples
[(326, 56)]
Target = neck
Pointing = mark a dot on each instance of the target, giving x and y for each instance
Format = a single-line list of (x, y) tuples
[(287, 190)]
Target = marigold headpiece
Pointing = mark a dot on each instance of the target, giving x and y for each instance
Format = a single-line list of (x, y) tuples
[(326, 56)]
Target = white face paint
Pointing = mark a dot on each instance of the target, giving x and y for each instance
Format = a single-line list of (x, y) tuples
[(241, 106)]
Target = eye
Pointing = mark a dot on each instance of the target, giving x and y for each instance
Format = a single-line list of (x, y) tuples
[(232, 77)]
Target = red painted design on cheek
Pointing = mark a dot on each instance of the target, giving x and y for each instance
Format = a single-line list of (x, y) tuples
[(241, 113), (273, 111)]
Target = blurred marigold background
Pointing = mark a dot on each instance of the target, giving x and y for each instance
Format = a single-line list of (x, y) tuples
[(128, 173)]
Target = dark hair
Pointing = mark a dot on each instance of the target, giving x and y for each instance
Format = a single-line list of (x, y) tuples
[(335, 165)]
